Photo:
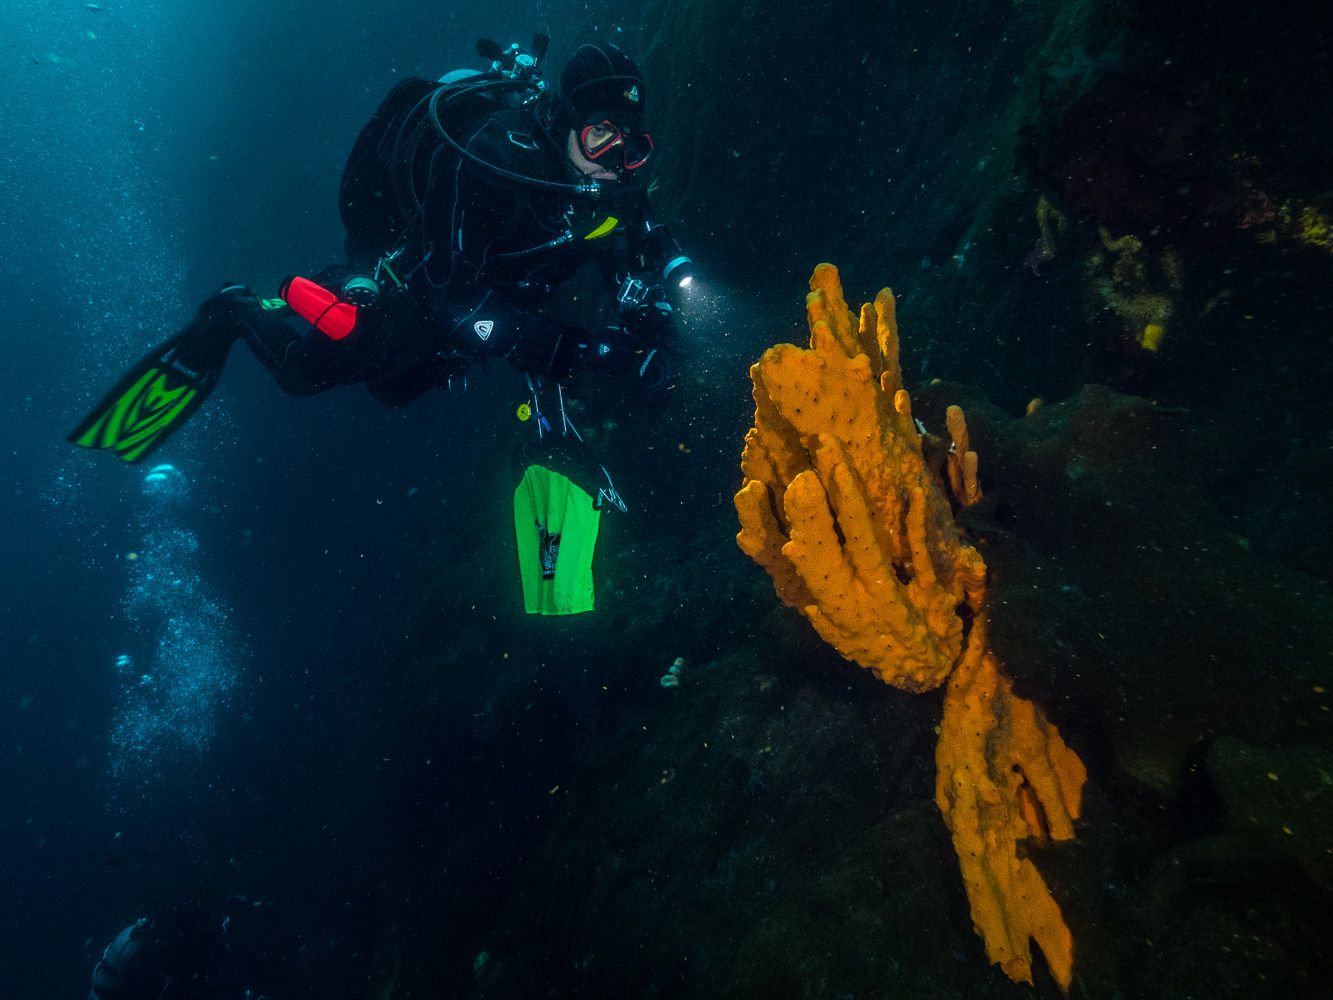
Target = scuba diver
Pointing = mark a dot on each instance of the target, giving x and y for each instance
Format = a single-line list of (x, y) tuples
[(467, 203), (193, 953)]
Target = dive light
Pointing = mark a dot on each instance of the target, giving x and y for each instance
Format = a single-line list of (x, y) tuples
[(666, 257), (662, 264)]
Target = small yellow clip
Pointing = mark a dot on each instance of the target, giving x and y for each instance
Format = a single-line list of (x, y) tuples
[(607, 227), (524, 411)]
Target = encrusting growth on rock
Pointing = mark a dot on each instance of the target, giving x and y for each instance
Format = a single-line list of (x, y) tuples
[(842, 510)]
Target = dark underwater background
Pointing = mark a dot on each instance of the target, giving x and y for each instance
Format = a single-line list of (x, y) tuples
[(302, 672)]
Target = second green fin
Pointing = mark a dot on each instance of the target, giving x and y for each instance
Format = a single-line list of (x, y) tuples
[(155, 397)]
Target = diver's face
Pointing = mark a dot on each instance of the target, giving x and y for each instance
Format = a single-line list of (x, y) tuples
[(585, 165)]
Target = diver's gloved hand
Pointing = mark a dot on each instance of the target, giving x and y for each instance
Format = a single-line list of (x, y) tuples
[(650, 322), (646, 370), (655, 377)]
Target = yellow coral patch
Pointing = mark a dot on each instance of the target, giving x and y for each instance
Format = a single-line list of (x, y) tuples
[(1151, 337)]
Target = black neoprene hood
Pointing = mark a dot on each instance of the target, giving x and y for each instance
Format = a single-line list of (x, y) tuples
[(600, 79)]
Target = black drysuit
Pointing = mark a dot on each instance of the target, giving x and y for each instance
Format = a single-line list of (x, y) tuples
[(482, 256)]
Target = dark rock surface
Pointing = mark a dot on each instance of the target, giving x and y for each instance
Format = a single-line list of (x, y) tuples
[(1156, 532)]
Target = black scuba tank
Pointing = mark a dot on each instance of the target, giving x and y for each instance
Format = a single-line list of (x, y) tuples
[(408, 144), (396, 157)]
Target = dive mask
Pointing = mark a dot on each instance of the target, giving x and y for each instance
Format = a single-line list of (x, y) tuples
[(602, 137)]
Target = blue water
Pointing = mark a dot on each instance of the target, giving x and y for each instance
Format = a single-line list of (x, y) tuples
[(183, 705)]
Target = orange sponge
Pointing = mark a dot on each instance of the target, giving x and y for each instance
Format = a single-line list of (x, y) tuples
[(1003, 774), (841, 509), (839, 505)]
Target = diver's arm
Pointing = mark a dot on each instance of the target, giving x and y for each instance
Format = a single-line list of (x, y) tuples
[(478, 322), (635, 279), (484, 325)]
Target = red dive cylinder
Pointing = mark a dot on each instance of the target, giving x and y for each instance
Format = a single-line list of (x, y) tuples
[(320, 307)]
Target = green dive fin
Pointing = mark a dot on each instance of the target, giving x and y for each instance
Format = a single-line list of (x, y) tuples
[(555, 523), (157, 395)]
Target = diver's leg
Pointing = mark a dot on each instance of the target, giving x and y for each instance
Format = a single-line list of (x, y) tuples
[(302, 360)]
